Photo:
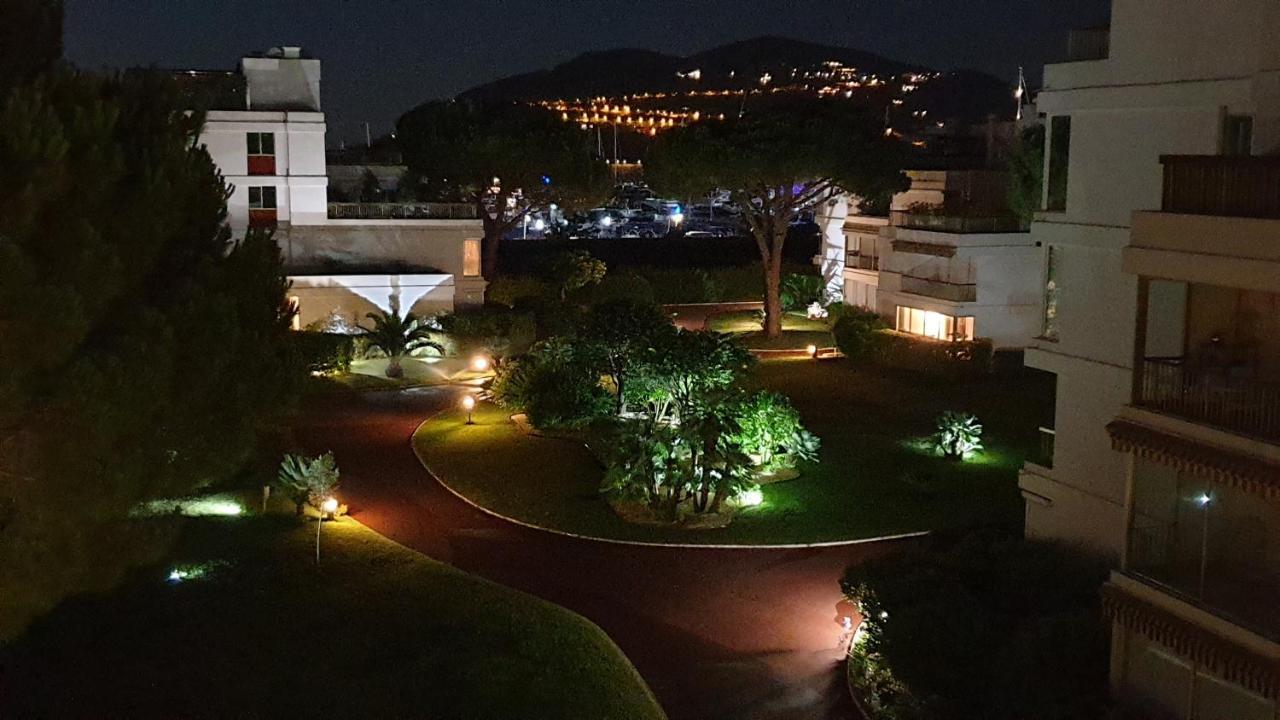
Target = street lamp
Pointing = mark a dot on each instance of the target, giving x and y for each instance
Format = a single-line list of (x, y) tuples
[(328, 506), (469, 404)]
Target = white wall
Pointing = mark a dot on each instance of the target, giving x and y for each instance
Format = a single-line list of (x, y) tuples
[(431, 243), (355, 296)]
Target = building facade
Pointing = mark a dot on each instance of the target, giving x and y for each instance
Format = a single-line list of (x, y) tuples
[(265, 130), (1160, 265), (949, 263)]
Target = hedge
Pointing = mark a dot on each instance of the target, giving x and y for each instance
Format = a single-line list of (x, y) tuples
[(936, 358), (323, 352)]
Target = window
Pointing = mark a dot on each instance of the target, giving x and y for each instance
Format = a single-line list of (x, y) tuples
[(1059, 158), (1049, 327), (262, 198), (933, 324), (262, 153), (1237, 135), (262, 206), (471, 257)]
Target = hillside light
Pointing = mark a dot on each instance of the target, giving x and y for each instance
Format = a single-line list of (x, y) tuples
[(469, 404), (606, 221), (539, 225)]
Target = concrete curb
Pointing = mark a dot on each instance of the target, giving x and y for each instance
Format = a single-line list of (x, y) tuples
[(642, 543)]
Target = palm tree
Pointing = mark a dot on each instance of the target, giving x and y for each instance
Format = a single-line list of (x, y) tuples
[(395, 337)]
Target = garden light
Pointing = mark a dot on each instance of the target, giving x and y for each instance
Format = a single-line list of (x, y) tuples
[(329, 505), (539, 225), (813, 351), (480, 363), (469, 404), (606, 221), (1204, 499), (751, 498)]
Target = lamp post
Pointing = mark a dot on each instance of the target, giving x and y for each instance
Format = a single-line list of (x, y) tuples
[(327, 507), (469, 404)]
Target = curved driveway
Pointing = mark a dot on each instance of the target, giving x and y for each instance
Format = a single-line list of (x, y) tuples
[(716, 633)]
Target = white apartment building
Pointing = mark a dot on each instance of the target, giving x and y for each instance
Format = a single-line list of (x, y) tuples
[(1161, 269), (948, 264), (265, 130)]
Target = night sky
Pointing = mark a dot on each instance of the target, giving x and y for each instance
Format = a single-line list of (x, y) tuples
[(382, 57)]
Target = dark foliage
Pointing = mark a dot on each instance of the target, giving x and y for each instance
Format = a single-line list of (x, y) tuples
[(321, 352)]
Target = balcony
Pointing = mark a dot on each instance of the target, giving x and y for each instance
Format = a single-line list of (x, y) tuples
[(1092, 43), (1243, 186), (1223, 395), (858, 261), (940, 289), (402, 211), (956, 223)]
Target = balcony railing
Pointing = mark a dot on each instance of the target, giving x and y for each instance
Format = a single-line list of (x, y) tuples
[(956, 223), (862, 262), (1228, 185), (940, 289), (402, 211), (1089, 44), (1211, 396)]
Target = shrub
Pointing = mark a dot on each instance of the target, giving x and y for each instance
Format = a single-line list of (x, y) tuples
[(323, 353), (770, 431), (801, 290), (959, 435), (510, 290), (989, 627), (556, 384), (624, 285), (858, 334), (308, 480), (492, 329), (951, 360)]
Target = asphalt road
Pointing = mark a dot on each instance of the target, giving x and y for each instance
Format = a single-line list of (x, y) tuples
[(741, 634)]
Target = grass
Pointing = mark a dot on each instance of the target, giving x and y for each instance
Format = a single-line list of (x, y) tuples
[(873, 478), (375, 631), (798, 331)]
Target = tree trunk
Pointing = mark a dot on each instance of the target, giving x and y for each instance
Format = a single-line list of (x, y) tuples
[(394, 370), (773, 297)]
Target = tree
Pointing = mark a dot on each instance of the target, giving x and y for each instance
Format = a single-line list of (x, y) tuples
[(858, 334), (1026, 174), (30, 40), (776, 162), (508, 159), (308, 480), (684, 369), (623, 330), (556, 384), (575, 270), (769, 426), (143, 353), (370, 188), (395, 337)]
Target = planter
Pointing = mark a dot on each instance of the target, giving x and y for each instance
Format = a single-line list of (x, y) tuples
[(641, 514)]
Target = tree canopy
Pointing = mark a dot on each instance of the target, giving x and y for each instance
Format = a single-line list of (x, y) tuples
[(142, 352), (537, 159), (775, 162)]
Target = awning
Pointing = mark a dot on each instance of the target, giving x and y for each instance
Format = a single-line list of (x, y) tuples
[(1229, 468), (1254, 672)]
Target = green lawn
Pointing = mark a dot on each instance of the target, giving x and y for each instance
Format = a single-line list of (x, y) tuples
[(798, 331), (871, 479), (376, 631)]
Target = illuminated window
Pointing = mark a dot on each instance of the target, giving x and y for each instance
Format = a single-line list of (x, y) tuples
[(471, 257), (927, 323)]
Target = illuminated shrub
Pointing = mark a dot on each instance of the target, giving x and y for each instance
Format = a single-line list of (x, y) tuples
[(959, 435)]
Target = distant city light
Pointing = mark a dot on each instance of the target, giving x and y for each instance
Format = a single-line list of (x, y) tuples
[(606, 221)]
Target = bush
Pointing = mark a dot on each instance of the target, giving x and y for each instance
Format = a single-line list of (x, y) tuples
[(624, 285), (308, 480), (770, 431), (510, 290), (802, 290), (958, 436), (493, 329), (990, 627), (858, 334), (556, 384), (323, 353), (950, 360)]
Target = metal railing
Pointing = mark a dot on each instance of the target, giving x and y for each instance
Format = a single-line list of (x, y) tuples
[(1211, 396), (1089, 44), (402, 211), (1227, 185), (994, 223), (940, 289)]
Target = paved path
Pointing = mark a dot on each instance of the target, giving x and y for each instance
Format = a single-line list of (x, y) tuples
[(740, 634)]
